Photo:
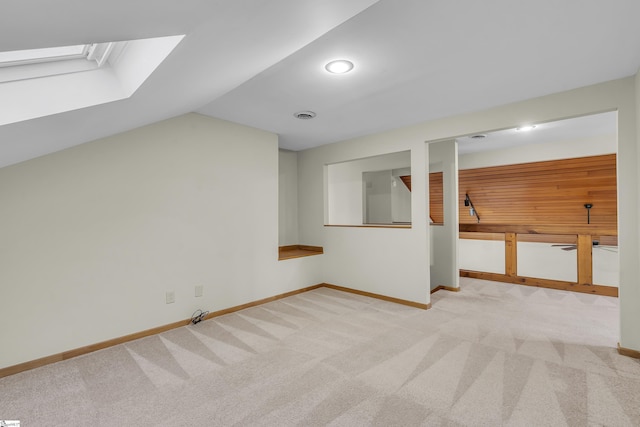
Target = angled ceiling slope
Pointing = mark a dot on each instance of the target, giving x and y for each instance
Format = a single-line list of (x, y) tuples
[(257, 63), (118, 77), (226, 43)]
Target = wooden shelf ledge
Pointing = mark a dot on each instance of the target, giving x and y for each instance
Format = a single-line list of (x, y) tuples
[(298, 251)]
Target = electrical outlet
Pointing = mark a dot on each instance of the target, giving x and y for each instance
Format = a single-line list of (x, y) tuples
[(198, 290), (171, 297)]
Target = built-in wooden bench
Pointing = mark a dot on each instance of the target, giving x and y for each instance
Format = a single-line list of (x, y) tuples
[(298, 251)]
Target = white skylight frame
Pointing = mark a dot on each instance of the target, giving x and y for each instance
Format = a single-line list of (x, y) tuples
[(98, 52), (47, 54), (74, 83), (34, 63)]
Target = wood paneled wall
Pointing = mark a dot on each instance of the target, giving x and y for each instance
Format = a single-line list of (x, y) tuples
[(543, 193), (436, 207), (407, 181)]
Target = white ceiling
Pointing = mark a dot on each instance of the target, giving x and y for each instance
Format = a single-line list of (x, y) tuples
[(579, 128), (258, 62)]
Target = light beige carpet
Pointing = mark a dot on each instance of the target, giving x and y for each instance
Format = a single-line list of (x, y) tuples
[(494, 354)]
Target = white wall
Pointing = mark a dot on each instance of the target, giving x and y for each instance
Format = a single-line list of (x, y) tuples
[(630, 295), (93, 237), (365, 249), (344, 203), (444, 255), (482, 255), (377, 197), (536, 259), (605, 267), (288, 198), (375, 260), (400, 197)]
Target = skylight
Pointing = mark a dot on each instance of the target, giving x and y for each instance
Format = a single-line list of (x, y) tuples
[(30, 56), (40, 82), (97, 52), (19, 65)]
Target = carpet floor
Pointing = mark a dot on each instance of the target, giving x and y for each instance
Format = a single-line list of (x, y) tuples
[(493, 354)]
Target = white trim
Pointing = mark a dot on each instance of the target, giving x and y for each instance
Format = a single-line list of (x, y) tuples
[(36, 63), (33, 56)]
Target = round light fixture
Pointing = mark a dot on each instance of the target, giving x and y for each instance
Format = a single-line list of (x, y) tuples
[(526, 128), (304, 115), (339, 66)]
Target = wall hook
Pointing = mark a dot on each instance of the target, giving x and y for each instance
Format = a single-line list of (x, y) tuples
[(588, 206), (472, 209)]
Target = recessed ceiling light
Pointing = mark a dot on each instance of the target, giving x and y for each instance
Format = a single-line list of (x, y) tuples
[(304, 115), (339, 66), (525, 128)]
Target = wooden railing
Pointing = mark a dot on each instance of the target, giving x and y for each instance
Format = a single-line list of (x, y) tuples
[(582, 236)]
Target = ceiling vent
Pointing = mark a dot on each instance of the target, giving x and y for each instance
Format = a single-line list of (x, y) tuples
[(304, 115)]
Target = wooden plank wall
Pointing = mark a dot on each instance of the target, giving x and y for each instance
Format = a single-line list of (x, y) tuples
[(436, 207), (543, 193), (407, 181)]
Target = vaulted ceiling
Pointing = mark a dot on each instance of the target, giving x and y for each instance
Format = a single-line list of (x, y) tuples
[(258, 62)]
